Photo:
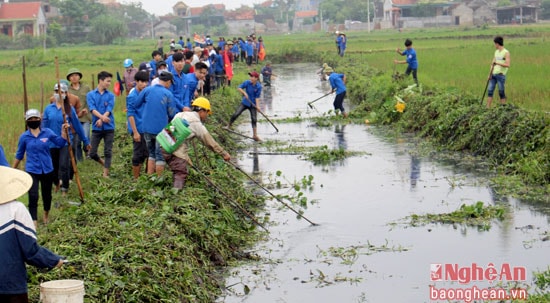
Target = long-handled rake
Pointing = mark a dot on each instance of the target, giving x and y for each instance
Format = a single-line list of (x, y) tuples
[(311, 102)]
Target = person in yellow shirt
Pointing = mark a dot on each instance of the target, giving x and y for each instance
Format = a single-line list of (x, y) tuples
[(501, 63)]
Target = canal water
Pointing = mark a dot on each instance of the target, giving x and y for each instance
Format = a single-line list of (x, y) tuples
[(363, 250)]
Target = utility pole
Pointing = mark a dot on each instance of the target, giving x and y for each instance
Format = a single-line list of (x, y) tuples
[(152, 27), (368, 16)]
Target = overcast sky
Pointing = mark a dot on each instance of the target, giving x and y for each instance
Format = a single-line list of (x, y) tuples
[(163, 7)]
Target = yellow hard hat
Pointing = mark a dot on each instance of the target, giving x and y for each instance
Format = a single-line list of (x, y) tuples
[(202, 103)]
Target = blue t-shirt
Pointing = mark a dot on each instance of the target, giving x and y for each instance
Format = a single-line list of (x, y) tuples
[(250, 49), (252, 90), (153, 72), (3, 160), (411, 57), (190, 87), (133, 111), (337, 82), (266, 72), (103, 103), (177, 89), (218, 64), (52, 118), (159, 108), (39, 160)]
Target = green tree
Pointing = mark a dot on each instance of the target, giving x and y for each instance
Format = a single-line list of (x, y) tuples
[(337, 11), (78, 12), (502, 3), (55, 33), (105, 29), (180, 23), (210, 16)]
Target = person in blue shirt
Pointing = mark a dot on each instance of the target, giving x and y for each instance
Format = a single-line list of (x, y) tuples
[(35, 144), (342, 41), (189, 44), (178, 82), (102, 103), (251, 90), (159, 107), (134, 115), (338, 84), (235, 50), (157, 56), (221, 43), (411, 59), (53, 119), (242, 47), (3, 160), (192, 81), (267, 72), (18, 244), (219, 73), (249, 47)]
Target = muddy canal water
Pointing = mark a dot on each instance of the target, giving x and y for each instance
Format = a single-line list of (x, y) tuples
[(357, 253)]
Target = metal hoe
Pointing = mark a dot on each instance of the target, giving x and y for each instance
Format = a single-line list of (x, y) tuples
[(256, 107), (311, 102), (233, 202)]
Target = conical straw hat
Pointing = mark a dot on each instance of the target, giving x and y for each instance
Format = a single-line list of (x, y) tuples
[(13, 184)]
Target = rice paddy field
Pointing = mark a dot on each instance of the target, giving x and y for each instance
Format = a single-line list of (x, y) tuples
[(458, 58)]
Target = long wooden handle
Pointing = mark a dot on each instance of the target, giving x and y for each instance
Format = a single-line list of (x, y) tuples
[(71, 154)]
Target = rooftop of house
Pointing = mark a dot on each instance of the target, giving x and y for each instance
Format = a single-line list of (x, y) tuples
[(20, 10)]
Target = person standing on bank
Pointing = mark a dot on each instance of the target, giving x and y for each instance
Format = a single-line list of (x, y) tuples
[(35, 144), (53, 119), (177, 161), (102, 103), (251, 91), (134, 115), (500, 65), (79, 89), (338, 84), (18, 243), (159, 107), (411, 60)]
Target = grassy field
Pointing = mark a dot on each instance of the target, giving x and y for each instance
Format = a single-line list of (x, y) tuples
[(450, 57), (457, 57)]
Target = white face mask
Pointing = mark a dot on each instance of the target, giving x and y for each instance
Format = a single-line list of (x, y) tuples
[(56, 96)]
